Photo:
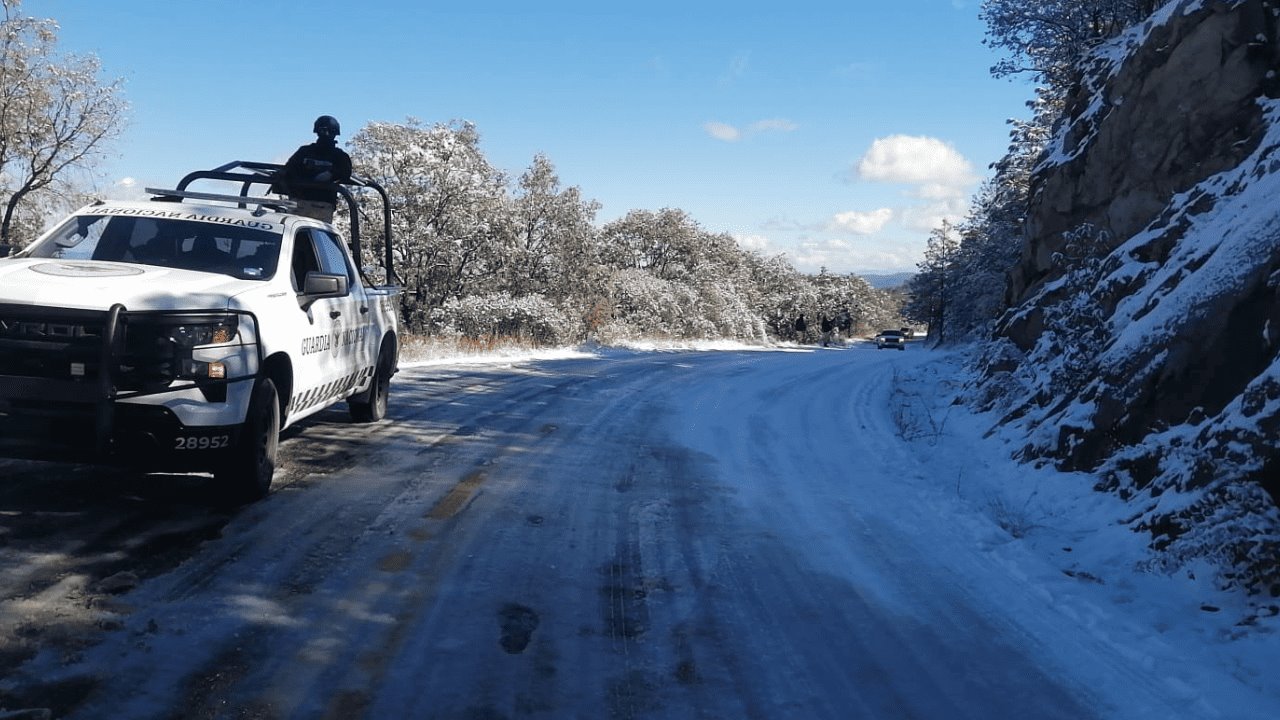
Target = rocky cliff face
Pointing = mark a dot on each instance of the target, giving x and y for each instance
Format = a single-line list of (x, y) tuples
[(1161, 110), (1143, 339)]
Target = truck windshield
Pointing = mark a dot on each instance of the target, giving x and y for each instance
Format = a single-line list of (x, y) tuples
[(241, 252)]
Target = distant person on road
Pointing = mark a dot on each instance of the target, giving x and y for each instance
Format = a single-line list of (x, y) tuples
[(800, 328), (309, 176), (826, 331)]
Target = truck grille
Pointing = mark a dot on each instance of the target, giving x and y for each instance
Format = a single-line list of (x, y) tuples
[(28, 330), (68, 345), (51, 343)]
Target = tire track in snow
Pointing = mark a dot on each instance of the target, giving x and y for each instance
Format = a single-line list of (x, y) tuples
[(875, 631), (275, 575), (661, 535)]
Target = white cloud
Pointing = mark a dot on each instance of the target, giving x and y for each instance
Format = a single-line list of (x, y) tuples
[(127, 182), (731, 133), (755, 243), (934, 166), (811, 252), (862, 223), (928, 217), (722, 131), (889, 238), (938, 191)]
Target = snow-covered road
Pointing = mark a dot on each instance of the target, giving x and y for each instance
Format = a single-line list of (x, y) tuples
[(632, 535)]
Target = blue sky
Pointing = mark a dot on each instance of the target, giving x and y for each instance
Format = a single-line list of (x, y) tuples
[(838, 133)]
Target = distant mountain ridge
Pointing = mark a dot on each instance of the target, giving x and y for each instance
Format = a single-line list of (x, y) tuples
[(885, 281)]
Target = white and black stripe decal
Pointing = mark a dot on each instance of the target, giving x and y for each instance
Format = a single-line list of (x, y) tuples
[(328, 392)]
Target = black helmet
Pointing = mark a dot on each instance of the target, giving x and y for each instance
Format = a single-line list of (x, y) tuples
[(326, 124)]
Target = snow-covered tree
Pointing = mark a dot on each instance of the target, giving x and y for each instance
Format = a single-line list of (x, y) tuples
[(781, 295), (492, 317), (666, 243), (554, 252), (56, 119), (482, 258), (647, 306), (881, 308), (704, 274), (991, 237), (453, 223), (1046, 38), (846, 300)]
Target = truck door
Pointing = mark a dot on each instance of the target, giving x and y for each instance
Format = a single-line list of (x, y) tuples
[(333, 356)]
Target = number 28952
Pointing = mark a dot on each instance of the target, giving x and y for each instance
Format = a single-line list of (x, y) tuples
[(201, 442)]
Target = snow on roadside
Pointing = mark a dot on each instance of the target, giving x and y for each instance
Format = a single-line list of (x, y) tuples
[(1214, 649), (495, 357), (426, 356)]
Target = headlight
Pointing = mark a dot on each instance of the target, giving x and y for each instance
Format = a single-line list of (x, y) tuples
[(196, 342), (219, 331), (162, 347)]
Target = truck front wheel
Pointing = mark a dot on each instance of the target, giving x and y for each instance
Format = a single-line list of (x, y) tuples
[(245, 475)]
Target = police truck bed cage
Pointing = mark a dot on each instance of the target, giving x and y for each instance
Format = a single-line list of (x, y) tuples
[(248, 174)]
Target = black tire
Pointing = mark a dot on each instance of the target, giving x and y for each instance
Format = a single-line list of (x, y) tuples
[(371, 406), (246, 473)]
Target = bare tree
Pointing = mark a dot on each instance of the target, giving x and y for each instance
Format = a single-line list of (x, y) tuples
[(55, 117)]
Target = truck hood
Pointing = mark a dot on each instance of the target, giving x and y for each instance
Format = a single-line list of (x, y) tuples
[(97, 285)]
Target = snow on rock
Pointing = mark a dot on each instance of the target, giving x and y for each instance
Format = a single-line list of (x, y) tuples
[(1139, 344), (1179, 106)]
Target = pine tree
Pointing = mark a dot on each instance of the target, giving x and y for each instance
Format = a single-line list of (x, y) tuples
[(931, 289)]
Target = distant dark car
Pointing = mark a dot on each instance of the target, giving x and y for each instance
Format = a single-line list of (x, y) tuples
[(908, 333), (891, 339)]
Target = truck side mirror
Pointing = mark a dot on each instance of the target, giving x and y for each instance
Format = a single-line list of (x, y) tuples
[(318, 285)]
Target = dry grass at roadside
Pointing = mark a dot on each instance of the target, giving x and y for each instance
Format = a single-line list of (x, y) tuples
[(418, 348)]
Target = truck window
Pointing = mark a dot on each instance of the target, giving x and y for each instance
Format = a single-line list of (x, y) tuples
[(332, 258), (304, 259), (244, 253)]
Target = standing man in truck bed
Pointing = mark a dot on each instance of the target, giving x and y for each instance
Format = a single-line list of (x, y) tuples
[(311, 171)]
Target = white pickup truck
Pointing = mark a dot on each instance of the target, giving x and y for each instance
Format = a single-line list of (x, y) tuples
[(185, 332)]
